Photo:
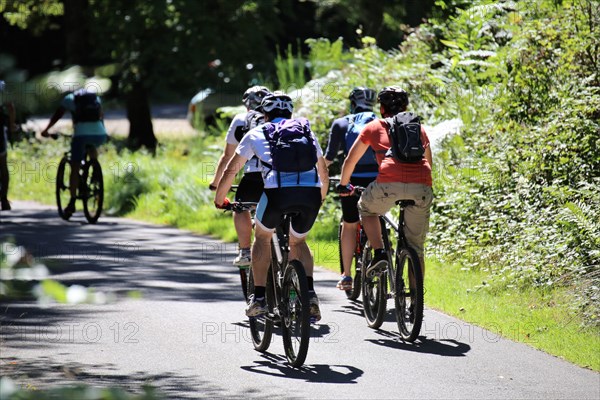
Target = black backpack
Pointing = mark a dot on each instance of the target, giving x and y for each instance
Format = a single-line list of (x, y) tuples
[(292, 147), (405, 137), (253, 119), (87, 108)]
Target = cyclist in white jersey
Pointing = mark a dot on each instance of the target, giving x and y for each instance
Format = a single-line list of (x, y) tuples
[(250, 187), (301, 192)]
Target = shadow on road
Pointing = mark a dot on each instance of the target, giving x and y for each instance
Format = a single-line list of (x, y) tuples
[(441, 347), (168, 384), (275, 365), (116, 255)]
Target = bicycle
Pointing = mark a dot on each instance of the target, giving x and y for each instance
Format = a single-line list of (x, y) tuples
[(401, 281), (287, 300), (361, 240), (243, 269), (90, 189)]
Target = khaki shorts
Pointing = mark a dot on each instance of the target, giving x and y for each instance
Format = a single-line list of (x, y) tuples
[(379, 198)]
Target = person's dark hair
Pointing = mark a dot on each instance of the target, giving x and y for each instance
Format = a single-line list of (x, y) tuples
[(393, 99), (276, 105)]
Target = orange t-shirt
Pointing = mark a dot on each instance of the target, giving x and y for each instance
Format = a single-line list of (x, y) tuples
[(375, 134)]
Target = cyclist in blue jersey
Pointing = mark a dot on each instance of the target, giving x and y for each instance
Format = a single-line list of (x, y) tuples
[(88, 131), (7, 125), (285, 190), (343, 133), (250, 187)]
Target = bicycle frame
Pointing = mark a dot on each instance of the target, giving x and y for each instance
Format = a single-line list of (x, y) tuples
[(280, 249)]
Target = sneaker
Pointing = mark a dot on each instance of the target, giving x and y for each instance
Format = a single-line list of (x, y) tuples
[(69, 209), (345, 283), (5, 205), (243, 258), (256, 307), (315, 311), (378, 263)]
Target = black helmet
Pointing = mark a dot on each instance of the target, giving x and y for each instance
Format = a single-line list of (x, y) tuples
[(253, 96), (393, 98), (361, 97), (277, 100)]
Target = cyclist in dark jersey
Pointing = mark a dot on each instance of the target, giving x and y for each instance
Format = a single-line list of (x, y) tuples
[(343, 133)]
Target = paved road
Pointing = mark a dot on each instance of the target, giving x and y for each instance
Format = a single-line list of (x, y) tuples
[(188, 336)]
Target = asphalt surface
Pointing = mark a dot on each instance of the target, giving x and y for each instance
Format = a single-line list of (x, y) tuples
[(187, 335)]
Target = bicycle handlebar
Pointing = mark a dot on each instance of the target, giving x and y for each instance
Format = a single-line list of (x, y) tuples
[(239, 206)]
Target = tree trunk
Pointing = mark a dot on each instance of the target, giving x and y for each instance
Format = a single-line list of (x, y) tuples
[(141, 132), (76, 32)]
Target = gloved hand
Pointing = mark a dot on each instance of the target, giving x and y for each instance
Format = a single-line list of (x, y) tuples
[(223, 206), (344, 190)]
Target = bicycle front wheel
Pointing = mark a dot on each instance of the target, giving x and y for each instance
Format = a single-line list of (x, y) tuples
[(408, 298), (295, 310), (63, 193), (374, 296), (93, 196), (261, 327)]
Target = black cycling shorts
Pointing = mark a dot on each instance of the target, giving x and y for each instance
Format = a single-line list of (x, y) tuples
[(304, 201), (250, 187), (349, 203)]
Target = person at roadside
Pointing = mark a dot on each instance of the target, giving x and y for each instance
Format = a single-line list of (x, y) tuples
[(343, 133), (250, 187), (396, 180), (7, 125), (88, 132), (300, 192)]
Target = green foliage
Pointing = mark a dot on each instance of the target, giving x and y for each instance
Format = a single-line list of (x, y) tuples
[(10, 391), (290, 69)]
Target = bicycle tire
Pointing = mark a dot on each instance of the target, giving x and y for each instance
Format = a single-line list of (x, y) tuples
[(374, 297), (358, 267), (261, 327), (244, 277), (409, 299), (295, 313), (63, 194), (93, 196)]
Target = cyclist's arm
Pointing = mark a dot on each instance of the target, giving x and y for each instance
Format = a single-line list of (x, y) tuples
[(429, 157), (58, 114), (324, 175), (233, 167), (356, 152), (228, 153)]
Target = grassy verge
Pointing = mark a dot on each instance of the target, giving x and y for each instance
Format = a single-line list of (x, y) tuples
[(172, 189), (541, 318)]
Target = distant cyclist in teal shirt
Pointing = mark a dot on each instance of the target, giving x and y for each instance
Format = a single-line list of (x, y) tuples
[(88, 131)]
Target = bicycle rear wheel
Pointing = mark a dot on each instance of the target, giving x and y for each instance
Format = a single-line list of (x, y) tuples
[(408, 298), (374, 296), (93, 196), (295, 313), (244, 277), (261, 327), (63, 193)]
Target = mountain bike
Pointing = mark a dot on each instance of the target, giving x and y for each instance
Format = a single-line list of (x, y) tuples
[(361, 240), (401, 281), (287, 300), (90, 189), (243, 269)]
